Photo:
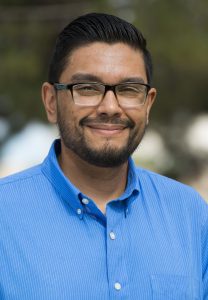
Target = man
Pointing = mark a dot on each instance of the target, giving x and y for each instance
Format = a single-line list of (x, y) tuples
[(86, 223)]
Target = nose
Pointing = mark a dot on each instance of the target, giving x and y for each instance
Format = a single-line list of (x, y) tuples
[(109, 104)]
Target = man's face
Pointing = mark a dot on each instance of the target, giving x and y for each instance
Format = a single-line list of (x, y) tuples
[(107, 134)]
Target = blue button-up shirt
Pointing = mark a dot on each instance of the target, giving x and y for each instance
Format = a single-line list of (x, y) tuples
[(56, 244)]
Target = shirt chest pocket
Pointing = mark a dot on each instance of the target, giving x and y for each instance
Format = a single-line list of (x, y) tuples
[(171, 287)]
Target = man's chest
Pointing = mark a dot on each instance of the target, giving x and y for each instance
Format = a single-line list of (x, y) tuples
[(82, 259)]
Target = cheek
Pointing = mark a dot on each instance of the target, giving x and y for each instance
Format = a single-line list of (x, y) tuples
[(140, 121), (138, 116), (66, 112), (72, 118), (76, 114)]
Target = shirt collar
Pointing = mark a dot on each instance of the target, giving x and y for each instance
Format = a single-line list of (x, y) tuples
[(69, 192), (132, 181), (62, 184)]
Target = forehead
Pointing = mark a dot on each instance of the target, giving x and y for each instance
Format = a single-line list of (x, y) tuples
[(109, 62)]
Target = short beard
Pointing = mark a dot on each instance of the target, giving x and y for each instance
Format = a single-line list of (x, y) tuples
[(107, 156)]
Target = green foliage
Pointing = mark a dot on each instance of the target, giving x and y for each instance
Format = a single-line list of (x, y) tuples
[(177, 36)]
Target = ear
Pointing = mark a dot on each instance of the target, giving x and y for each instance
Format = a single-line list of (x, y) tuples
[(49, 101), (150, 100)]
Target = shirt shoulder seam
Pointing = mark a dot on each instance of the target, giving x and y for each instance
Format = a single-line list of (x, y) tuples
[(13, 180)]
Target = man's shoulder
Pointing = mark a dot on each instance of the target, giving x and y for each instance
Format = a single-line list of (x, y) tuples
[(162, 180), (172, 194), (20, 178), (165, 186)]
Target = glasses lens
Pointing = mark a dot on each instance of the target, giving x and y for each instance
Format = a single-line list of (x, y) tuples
[(88, 93), (131, 94)]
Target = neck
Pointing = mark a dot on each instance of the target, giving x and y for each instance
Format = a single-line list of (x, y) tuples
[(100, 184)]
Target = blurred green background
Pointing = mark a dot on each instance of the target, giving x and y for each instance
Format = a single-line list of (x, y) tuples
[(177, 36)]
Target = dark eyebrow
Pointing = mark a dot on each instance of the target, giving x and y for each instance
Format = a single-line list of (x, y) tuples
[(132, 79), (82, 77), (79, 77)]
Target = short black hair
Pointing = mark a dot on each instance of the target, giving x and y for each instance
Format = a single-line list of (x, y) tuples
[(96, 27)]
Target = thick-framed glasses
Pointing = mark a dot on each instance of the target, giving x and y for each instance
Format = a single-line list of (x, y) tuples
[(128, 94)]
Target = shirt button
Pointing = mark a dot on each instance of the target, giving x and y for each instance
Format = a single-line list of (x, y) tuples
[(112, 235), (85, 201), (117, 286), (79, 211)]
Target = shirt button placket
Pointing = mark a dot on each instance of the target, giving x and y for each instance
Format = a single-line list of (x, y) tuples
[(116, 254), (117, 285)]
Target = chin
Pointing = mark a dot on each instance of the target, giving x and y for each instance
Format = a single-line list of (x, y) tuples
[(109, 145)]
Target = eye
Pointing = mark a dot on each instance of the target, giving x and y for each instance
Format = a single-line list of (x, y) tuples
[(131, 89), (86, 89)]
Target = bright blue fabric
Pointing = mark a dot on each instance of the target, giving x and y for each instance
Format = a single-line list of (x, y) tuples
[(152, 243)]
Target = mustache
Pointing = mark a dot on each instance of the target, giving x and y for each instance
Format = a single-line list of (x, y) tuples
[(107, 120)]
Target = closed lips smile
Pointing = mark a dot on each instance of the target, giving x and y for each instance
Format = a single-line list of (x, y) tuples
[(107, 128)]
